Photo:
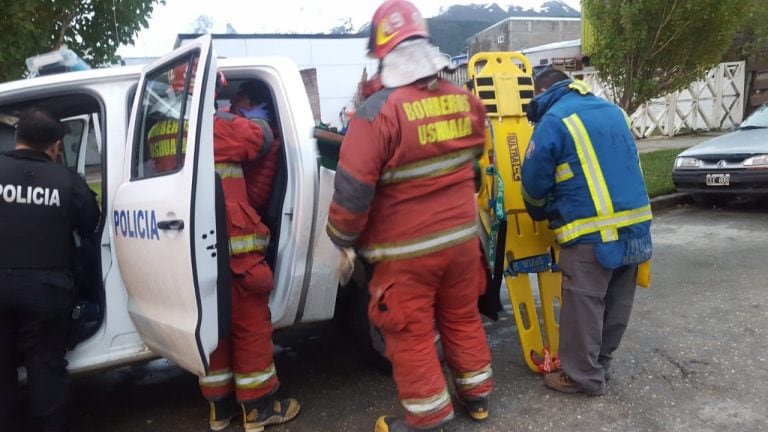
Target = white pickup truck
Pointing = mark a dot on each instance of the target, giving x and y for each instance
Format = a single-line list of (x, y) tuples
[(152, 284)]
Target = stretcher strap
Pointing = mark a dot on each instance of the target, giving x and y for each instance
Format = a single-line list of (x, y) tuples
[(550, 362), (496, 200)]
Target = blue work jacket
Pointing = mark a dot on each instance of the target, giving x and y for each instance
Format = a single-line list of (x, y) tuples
[(582, 173)]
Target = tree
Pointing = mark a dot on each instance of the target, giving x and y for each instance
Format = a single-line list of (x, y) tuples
[(647, 48), (753, 33), (201, 25), (345, 27), (94, 29)]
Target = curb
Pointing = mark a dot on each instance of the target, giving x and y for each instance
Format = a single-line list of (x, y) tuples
[(664, 202)]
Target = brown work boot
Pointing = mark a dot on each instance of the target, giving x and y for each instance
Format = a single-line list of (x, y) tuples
[(268, 411), (559, 381), (222, 412), (394, 424), (476, 408)]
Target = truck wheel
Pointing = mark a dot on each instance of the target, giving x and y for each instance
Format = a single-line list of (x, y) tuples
[(371, 338), (368, 336)]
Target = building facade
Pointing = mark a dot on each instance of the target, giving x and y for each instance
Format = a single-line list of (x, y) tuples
[(517, 33)]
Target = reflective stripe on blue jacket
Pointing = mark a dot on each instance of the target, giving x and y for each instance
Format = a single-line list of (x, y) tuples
[(582, 171)]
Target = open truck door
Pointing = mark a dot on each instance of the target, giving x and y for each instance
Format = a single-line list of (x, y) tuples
[(163, 216)]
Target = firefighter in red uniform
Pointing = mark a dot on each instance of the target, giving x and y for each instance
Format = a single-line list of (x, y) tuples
[(250, 101), (405, 199), (242, 376), (242, 369)]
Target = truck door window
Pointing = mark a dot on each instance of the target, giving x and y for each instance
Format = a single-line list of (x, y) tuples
[(93, 175), (72, 141), (7, 134), (163, 120)]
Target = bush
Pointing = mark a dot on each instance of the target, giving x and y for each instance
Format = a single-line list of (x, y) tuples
[(657, 170)]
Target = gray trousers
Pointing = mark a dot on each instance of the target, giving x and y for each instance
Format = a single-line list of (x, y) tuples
[(595, 312)]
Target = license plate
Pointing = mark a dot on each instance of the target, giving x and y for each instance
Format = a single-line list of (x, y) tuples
[(718, 179)]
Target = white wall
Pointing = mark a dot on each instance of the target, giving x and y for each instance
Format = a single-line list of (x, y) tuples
[(715, 102), (339, 63), (536, 57)]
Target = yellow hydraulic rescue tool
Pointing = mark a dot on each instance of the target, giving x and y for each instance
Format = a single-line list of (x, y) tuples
[(517, 245)]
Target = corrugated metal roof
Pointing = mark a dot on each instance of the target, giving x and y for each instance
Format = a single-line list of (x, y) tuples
[(522, 18), (551, 46)]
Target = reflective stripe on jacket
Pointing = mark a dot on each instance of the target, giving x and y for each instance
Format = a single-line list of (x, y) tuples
[(582, 170)]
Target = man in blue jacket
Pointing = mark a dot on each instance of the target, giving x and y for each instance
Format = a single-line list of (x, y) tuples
[(582, 173)]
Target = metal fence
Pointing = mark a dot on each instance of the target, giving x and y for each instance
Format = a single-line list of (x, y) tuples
[(457, 75), (715, 102)]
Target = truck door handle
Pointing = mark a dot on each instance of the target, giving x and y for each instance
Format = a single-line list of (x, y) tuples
[(173, 224)]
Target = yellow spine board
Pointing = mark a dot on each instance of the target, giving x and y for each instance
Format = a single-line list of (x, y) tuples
[(503, 81), (644, 274)]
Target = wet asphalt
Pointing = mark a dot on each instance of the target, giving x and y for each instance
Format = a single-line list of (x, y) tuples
[(693, 358)]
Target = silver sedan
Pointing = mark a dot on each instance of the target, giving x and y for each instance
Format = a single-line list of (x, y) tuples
[(732, 164)]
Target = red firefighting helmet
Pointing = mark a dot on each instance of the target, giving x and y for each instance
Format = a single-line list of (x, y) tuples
[(179, 76), (393, 22), (221, 81)]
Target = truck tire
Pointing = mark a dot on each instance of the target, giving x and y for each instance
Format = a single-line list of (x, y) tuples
[(367, 335), (370, 338)]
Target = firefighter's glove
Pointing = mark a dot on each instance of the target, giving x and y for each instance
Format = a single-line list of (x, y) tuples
[(256, 112), (346, 265)]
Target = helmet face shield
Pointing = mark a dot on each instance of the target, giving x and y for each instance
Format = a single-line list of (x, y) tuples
[(393, 22)]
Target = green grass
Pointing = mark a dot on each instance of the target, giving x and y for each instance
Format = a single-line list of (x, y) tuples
[(657, 170)]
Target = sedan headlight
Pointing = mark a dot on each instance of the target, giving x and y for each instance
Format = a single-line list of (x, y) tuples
[(757, 161), (687, 163)]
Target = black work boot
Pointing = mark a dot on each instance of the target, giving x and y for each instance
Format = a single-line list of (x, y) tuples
[(268, 411), (394, 424), (222, 412), (476, 408)]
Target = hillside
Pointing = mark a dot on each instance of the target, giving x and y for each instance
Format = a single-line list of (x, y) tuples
[(451, 35), (493, 13)]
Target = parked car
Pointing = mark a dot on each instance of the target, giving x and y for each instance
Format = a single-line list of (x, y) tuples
[(732, 164)]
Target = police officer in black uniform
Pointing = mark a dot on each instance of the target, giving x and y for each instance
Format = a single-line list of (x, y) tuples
[(42, 205)]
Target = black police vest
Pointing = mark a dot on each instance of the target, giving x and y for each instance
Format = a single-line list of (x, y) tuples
[(36, 212)]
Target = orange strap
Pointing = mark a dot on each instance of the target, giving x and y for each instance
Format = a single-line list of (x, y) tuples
[(549, 363)]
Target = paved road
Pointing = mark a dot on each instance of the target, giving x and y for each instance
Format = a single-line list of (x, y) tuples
[(694, 358)]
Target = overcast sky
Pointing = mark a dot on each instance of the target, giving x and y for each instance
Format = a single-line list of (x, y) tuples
[(280, 16)]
